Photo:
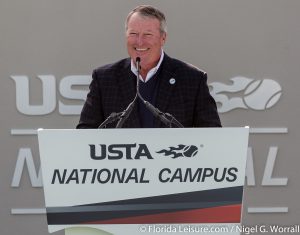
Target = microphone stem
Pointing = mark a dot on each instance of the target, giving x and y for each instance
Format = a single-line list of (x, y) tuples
[(129, 108)]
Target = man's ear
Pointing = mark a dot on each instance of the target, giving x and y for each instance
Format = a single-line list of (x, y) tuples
[(164, 37)]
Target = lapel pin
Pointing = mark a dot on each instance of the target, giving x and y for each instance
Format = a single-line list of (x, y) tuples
[(172, 81)]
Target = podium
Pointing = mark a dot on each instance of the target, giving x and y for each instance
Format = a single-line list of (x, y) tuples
[(139, 181)]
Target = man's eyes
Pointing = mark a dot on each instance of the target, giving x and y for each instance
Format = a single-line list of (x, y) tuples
[(136, 34)]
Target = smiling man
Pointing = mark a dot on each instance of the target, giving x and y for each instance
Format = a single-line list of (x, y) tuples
[(146, 36), (169, 84)]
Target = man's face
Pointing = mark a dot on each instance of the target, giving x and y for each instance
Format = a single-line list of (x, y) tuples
[(144, 40)]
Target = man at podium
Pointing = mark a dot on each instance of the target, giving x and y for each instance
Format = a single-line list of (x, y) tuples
[(173, 87)]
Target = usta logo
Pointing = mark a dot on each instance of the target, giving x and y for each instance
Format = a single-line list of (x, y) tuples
[(256, 94)]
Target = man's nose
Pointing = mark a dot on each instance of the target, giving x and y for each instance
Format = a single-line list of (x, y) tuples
[(140, 40)]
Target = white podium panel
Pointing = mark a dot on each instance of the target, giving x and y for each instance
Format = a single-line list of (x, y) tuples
[(139, 181)]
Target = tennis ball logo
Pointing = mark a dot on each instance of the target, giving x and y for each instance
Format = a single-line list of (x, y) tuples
[(180, 151), (262, 94), (190, 151)]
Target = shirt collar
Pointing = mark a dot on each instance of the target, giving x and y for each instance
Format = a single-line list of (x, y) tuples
[(152, 71)]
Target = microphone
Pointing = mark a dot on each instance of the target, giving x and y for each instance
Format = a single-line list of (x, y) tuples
[(111, 118), (125, 114), (166, 118)]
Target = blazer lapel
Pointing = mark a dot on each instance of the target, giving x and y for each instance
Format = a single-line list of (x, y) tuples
[(166, 87)]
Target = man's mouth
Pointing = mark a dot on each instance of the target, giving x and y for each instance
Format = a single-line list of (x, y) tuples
[(141, 49)]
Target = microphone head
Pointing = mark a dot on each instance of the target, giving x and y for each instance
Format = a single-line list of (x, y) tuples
[(138, 59)]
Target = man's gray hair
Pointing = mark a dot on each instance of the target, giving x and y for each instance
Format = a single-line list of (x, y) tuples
[(151, 12)]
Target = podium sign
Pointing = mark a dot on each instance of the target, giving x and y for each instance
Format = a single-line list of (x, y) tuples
[(127, 181)]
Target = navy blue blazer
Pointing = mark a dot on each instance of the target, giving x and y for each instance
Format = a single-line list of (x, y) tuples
[(188, 99)]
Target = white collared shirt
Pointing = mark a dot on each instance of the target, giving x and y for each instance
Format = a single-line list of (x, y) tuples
[(152, 71)]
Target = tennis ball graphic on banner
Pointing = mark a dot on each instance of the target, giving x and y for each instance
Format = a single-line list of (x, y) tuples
[(190, 151), (246, 93), (262, 94)]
